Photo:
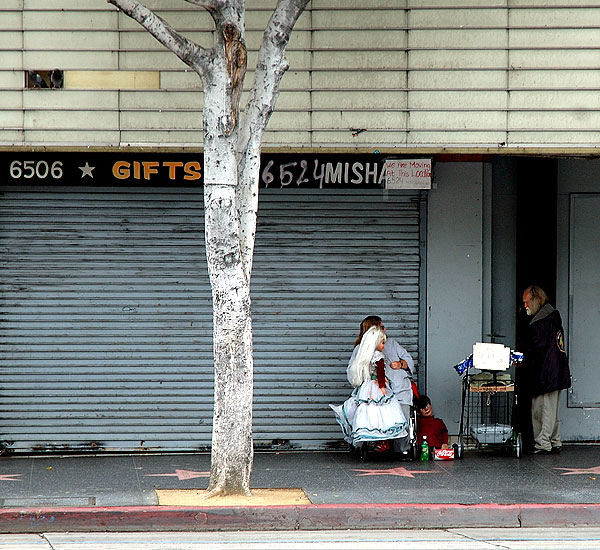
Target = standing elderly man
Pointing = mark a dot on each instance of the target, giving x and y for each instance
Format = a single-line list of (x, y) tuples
[(548, 368)]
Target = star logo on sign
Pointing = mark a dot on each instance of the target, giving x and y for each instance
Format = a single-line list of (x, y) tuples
[(182, 474), (86, 170), (9, 477), (400, 471), (579, 471)]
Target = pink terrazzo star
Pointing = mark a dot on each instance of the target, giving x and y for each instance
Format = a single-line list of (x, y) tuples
[(400, 471), (182, 474), (579, 471), (9, 477)]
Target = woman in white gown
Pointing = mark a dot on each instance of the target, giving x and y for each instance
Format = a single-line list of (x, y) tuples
[(371, 413)]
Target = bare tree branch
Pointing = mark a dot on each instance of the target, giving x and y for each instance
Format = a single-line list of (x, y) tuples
[(271, 64), (270, 68), (189, 52)]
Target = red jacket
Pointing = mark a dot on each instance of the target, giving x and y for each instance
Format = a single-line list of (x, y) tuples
[(435, 430)]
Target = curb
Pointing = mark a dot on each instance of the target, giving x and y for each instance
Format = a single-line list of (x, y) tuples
[(304, 517)]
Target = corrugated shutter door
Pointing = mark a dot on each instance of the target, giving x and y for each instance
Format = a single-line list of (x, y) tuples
[(324, 260), (105, 328), (106, 320)]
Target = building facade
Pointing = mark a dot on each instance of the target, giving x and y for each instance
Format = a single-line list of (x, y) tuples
[(106, 317)]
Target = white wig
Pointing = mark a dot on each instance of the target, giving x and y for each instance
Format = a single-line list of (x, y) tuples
[(359, 370)]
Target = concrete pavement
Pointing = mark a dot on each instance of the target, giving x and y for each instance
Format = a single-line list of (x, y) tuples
[(484, 489)]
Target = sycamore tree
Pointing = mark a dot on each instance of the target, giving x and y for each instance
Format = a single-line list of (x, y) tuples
[(232, 142)]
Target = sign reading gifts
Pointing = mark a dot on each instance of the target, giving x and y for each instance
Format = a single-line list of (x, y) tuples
[(277, 170)]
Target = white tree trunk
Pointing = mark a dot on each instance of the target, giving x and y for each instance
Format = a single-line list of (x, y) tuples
[(232, 447), (231, 175)]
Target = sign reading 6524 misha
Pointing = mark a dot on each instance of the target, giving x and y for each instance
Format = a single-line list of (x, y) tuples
[(277, 171)]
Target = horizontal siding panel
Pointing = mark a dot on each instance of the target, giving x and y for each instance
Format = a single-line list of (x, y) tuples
[(45, 58), (471, 81), (11, 20), (371, 120), (62, 20), (161, 120), (576, 16), (10, 59), (357, 38), (11, 79), (11, 39), (274, 138), (457, 39), (455, 100), (149, 60), (378, 100), (494, 137), (558, 120), (69, 40), (163, 100), (360, 79), (283, 121), (468, 120), (350, 18), (555, 58), (12, 119), (76, 121), (71, 137), (453, 15), (70, 100), (569, 100), (66, 5), (533, 39), (335, 138), (460, 60), (349, 60), (165, 137), (545, 81)]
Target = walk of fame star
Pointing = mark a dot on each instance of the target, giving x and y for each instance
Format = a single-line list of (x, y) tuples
[(399, 471), (577, 471), (86, 170), (9, 477), (182, 474)]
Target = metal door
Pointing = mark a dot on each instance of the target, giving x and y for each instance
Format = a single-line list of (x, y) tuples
[(584, 314)]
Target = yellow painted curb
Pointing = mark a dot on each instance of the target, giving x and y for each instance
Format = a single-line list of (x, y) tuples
[(260, 497)]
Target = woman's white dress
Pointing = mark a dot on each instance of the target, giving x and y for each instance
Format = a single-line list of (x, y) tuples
[(368, 414)]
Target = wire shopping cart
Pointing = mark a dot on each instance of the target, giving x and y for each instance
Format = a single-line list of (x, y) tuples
[(488, 401)]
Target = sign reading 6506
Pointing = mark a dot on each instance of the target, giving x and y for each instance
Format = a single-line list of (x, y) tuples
[(40, 169)]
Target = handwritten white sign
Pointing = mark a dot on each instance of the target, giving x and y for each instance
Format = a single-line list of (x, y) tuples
[(491, 356), (408, 174)]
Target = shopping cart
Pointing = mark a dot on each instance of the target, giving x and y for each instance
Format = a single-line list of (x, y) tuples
[(488, 401)]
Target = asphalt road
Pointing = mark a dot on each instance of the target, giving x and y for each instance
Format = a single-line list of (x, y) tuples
[(452, 539)]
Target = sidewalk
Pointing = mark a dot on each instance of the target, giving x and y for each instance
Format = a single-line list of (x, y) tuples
[(486, 489)]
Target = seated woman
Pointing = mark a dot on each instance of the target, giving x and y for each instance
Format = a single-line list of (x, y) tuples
[(372, 412)]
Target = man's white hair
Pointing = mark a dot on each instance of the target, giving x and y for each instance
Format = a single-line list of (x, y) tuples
[(360, 369)]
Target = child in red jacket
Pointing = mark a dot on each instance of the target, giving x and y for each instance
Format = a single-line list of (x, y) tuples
[(427, 424)]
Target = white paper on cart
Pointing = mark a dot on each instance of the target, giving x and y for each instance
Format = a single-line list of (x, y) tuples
[(488, 356)]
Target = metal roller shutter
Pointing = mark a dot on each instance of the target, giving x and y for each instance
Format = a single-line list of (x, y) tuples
[(105, 329)]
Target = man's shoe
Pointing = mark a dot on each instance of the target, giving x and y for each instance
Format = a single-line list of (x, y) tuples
[(541, 452), (556, 450)]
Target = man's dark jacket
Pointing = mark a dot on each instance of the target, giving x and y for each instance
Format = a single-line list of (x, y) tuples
[(545, 357)]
